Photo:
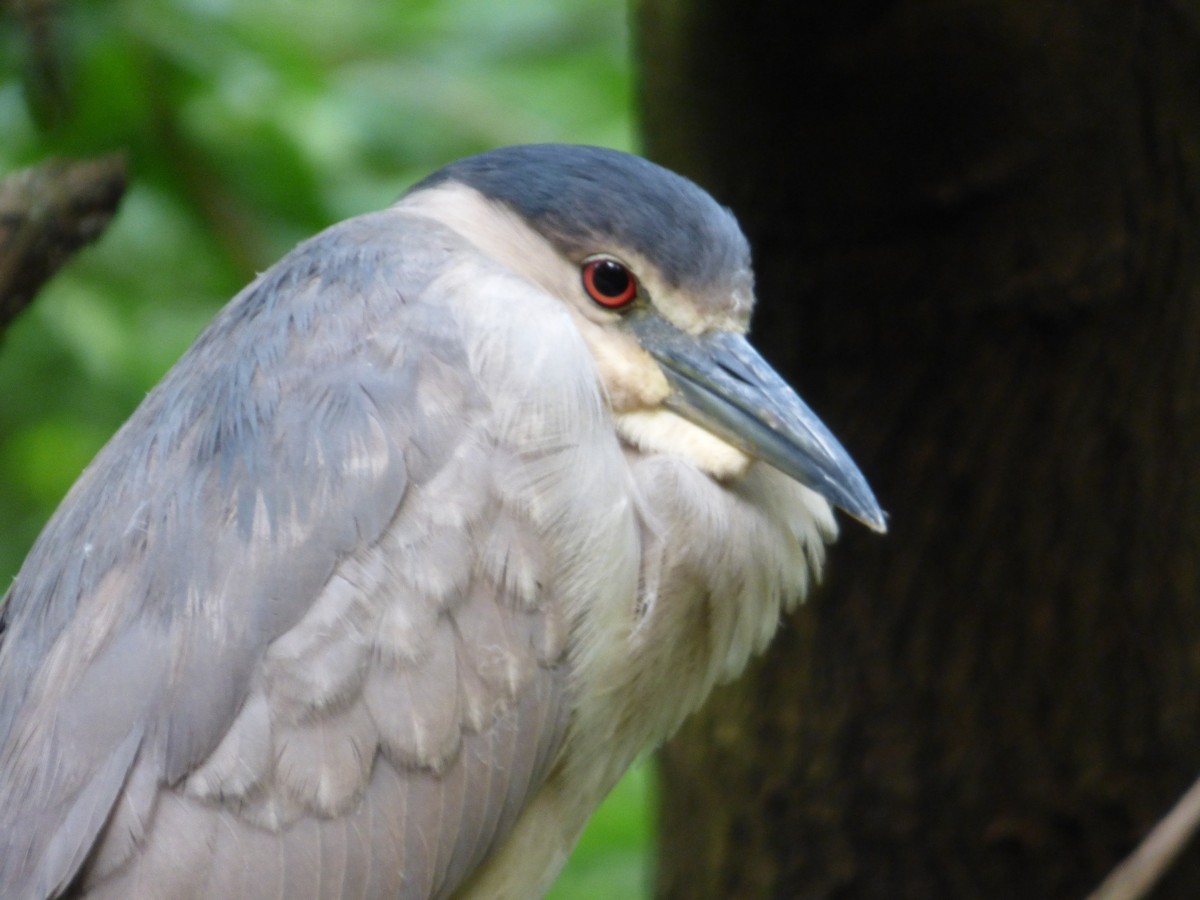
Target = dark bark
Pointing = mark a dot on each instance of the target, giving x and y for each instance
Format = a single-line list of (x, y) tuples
[(47, 213), (977, 238)]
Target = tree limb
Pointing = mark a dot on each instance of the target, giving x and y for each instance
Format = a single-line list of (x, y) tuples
[(1139, 872), (47, 213)]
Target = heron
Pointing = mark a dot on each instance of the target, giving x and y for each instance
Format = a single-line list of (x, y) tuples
[(442, 521)]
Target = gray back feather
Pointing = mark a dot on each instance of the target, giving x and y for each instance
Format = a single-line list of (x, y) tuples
[(262, 618)]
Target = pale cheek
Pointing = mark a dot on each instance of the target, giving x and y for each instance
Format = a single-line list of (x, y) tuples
[(661, 431), (631, 378)]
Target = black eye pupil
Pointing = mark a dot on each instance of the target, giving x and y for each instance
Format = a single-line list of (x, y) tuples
[(610, 278)]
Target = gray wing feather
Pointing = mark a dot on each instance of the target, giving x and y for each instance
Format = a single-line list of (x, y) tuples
[(259, 630)]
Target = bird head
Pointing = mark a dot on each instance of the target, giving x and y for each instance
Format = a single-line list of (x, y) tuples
[(658, 278)]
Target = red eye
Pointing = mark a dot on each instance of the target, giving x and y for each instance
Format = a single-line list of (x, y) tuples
[(609, 283)]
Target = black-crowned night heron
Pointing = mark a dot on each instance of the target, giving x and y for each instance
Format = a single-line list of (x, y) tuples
[(443, 520)]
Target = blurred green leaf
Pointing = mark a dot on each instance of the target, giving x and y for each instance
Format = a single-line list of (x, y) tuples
[(611, 859), (249, 126)]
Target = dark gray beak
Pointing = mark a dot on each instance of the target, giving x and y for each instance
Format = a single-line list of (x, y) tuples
[(722, 384)]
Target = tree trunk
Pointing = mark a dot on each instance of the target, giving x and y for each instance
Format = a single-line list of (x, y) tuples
[(977, 239)]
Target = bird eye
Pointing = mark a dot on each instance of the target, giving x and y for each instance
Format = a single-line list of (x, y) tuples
[(609, 283)]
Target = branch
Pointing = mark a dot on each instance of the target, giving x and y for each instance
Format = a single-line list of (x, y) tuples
[(42, 64), (47, 213), (1139, 872)]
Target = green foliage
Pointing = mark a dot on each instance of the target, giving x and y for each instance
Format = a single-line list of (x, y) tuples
[(611, 860), (249, 126)]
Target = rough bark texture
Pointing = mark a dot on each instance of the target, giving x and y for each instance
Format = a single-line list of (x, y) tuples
[(978, 241), (47, 213)]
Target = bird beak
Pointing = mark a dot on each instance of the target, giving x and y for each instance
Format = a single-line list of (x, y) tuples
[(722, 384)]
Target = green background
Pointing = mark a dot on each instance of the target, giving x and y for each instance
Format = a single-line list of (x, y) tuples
[(249, 125)]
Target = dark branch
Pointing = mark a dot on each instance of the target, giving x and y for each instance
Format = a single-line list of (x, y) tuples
[(47, 213)]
